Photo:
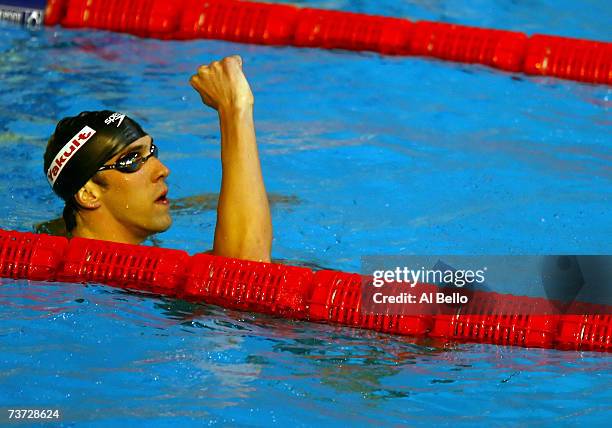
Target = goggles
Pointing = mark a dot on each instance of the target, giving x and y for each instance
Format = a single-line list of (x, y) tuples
[(132, 161)]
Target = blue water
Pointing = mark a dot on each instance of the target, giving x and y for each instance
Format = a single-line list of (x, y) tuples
[(365, 155)]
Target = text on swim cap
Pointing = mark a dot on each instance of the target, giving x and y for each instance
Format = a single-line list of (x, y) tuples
[(113, 117), (67, 152)]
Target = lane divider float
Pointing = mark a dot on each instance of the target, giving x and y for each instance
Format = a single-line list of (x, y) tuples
[(293, 292), (286, 25)]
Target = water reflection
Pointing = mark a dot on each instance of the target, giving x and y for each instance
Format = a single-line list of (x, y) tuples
[(340, 358)]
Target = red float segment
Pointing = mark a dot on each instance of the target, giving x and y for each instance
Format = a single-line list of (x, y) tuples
[(596, 332), (337, 298), (30, 256), (107, 14), (55, 11), (136, 267), (114, 12), (164, 19), (238, 21), (395, 37), (574, 59), (352, 31), (500, 319), (585, 332), (532, 331), (119, 16), (144, 18), (136, 18), (76, 15), (126, 14), (123, 12), (97, 12), (246, 285), (496, 48)]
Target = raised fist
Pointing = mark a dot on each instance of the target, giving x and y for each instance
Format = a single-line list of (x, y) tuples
[(222, 84)]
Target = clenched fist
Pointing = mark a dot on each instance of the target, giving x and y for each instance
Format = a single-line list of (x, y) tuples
[(222, 84)]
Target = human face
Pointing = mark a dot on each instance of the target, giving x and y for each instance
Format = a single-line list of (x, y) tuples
[(137, 201)]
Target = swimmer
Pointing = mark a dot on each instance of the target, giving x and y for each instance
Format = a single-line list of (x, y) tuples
[(106, 169)]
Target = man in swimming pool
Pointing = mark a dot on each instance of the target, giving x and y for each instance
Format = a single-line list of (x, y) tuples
[(106, 169)]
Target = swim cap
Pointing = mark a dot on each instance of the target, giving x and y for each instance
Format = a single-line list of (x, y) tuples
[(82, 144)]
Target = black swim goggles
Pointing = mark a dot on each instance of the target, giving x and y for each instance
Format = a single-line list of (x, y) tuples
[(132, 161)]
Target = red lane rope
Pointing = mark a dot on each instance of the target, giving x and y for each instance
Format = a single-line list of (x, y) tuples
[(292, 292), (274, 24)]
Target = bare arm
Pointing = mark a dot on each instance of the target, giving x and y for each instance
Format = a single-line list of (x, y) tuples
[(244, 227)]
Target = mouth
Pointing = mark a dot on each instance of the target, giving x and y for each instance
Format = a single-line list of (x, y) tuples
[(163, 198)]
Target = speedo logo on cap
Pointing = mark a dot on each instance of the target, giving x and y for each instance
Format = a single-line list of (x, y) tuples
[(67, 152), (115, 117)]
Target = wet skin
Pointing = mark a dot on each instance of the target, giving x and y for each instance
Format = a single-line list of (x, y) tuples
[(126, 207)]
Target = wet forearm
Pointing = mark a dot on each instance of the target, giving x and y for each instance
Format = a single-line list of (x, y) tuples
[(244, 227)]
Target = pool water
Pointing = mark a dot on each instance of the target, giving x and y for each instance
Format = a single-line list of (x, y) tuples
[(362, 155)]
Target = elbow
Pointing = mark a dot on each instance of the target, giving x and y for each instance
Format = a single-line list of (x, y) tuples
[(254, 245)]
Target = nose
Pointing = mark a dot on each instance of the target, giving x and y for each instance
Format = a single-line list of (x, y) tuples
[(160, 170)]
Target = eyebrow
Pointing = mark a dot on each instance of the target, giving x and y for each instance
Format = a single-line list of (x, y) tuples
[(129, 149)]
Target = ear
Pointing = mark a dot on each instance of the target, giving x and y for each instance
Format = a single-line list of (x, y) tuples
[(88, 196)]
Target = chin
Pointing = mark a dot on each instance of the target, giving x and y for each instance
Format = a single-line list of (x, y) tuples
[(158, 224), (164, 225)]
